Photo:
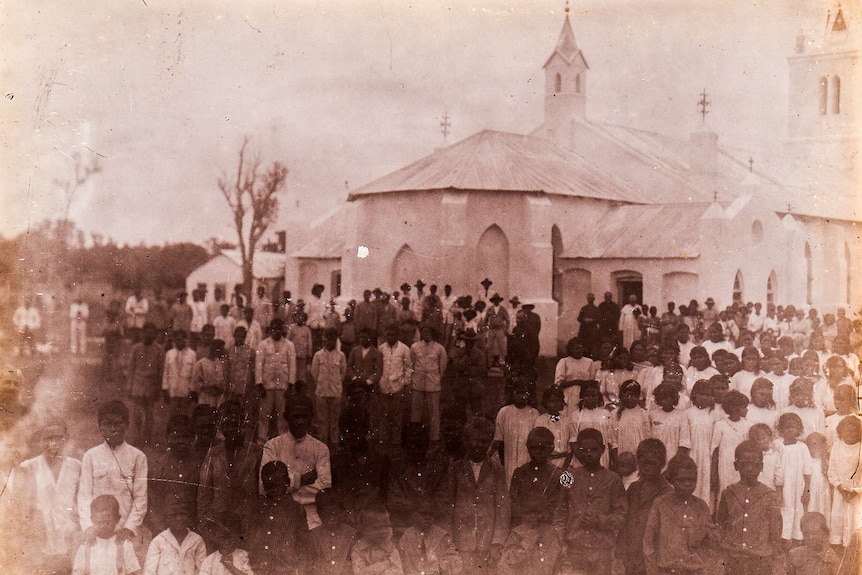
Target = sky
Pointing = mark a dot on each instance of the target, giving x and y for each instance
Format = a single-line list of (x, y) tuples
[(342, 92)]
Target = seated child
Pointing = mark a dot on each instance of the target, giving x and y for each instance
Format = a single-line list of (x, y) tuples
[(749, 518), (596, 508), (426, 547), (678, 525), (277, 537), (651, 459), (375, 553), (333, 539), (107, 553), (177, 550), (814, 556), (227, 559)]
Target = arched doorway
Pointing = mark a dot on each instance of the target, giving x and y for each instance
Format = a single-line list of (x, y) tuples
[(492, 260), (406, 267), (738, 287), (628, 283)]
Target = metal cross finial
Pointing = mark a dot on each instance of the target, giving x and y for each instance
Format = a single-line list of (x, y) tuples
[(750, 164), (789, 208), (445, 125), (567, 6), (703, 104), (346, 186), (715, 196)]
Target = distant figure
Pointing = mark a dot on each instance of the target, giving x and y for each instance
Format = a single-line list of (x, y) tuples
[(79, 312), (137, 308), (609, 317), (27, 322), (629, 321), (588, 330)]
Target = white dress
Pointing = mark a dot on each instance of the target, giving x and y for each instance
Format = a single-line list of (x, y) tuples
[(700, 424), (812, 420), (796, 462), (630, 428), (512, 427), (726, 435), (844, 464), (767, 415), (821, 502), (599, 419), (671, 428), (55, 500)]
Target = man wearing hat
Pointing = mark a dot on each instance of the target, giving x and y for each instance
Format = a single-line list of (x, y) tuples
[(470, 372), (316, 310), (429, 364), (497, 321), (417, 300), (710, 314)]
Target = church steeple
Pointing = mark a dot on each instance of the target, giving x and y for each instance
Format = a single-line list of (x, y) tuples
[(565, 86)]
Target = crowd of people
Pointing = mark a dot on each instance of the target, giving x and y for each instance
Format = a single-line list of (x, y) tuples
[(664, 444)]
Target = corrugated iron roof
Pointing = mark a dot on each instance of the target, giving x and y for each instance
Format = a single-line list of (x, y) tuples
[(491, 160), (323, 247), (641, 232), (266, 264)]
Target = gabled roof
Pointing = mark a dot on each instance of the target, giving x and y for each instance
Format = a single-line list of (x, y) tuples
[(327, 237), (266, 264), (567, 45), (641, 232), (500, 161)]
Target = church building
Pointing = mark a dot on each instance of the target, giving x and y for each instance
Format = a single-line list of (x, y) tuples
[(579, 206)]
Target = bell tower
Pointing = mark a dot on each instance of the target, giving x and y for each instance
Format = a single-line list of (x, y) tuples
[(565, 86), (824, 100)]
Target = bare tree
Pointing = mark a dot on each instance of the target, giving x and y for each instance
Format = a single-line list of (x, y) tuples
[(83, 169), (252, 195)]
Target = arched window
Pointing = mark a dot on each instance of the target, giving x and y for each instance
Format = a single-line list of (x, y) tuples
[(738, 287), (757, 231), (558, 84), (835, 95), (406, 266), (579, 83), (492, 260), (824, 89), (771, 283), (809, 275)]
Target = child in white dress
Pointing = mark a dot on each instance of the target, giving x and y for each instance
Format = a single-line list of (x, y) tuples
[(794, 487), (591, 414), (557, 419), (762, 406), (764, 437), (701, 418), (802, 404), (514, 422), (630, 421), (727, 434), (667, 423), (819, 488), (844, 463)]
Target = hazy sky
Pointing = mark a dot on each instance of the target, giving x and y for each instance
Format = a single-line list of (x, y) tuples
[(343, 91)]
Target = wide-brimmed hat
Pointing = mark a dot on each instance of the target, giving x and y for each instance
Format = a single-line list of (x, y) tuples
[(710, 300), (528, 307), (496, 298), (515, 301), (469, 334), (420, 284), (486, 283), (376, 291)]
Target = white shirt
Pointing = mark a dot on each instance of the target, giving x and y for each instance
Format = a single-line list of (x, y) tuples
[(212, 564), (397, 367), (79, 311), (103, 558), (121, 472), (55, 499), (756, 322), (179, 367), (27, 318), (166, 556)]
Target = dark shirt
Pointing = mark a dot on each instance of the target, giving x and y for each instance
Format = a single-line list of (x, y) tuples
[(366, 368), (640, 497), (170, 478), (609, 317), (600, 493), (278, 539), (410, 482), (749, 518), (332, 546), (588, 318), (536, 489), (358, 473)]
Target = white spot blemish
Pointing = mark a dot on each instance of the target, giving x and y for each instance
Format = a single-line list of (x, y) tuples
[(362, 252)]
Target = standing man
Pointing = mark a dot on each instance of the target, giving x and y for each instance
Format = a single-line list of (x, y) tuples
[(429, 364), (588, 331), (181, 314), (137, 308), (497, 321), (710, 315), (275, 372), (263, 305), (609, 319), (160, 315), (27, 322), (388, 399), (629, 321), (316, 310), (79, 312), (448, 301)]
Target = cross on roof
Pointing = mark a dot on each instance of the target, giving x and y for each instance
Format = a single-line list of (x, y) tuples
[(703, 104), (445, 124), (567, 6), (715, 196)]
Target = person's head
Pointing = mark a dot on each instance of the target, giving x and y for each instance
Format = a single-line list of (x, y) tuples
[(720, 386), (836, 369), (845, 399), (275, 479), (553, 400), (802, 392), (683, 333), (179, 516), (666, 396), (785, 345), (415, 441), (790, 426), (651, 455), (817, 446), (767, 340), (729, 364), (447, 290), (374, 525), (298, 414), (762, 435), (149, 333), (224, 309), (205, 423), (317, 290), (424, 513), (714, 333), (105, 514), (392, 335), (797, 367), (300, 317), (225, 531), (405, 303), (329, 504), (276, 329), (633, 299), (113, 421), (673, 375), (606, 348), (590, 445), (710, 303), (777, 364), (735, 405), (701, 394), (814, 528), (849, 430), (180, 338), (591, 395), (630, 394), (520, 393), (207, 334), (682, 474), (540, 445), (748, 461), (575, 348), (478, 436), (699, 358), (811, 363), (761, 393), (427, 333), (239, 335), (608, 296), (627, 463), (366, 338), (637, 351), (52, 437), (216, 349), (248, 314), (751, 359), (231, 420), (180, 436)]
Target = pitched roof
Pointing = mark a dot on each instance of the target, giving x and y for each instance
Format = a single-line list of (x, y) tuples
[(266, 264), (500, 161), (567, 45), (641, 232), (327, 237)]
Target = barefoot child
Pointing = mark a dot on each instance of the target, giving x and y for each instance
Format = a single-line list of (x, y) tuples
[(701, 418), (844, 462), (794, 492)]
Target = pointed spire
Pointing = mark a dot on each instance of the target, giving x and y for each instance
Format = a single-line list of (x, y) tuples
[(839, 25), (567, 46)]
